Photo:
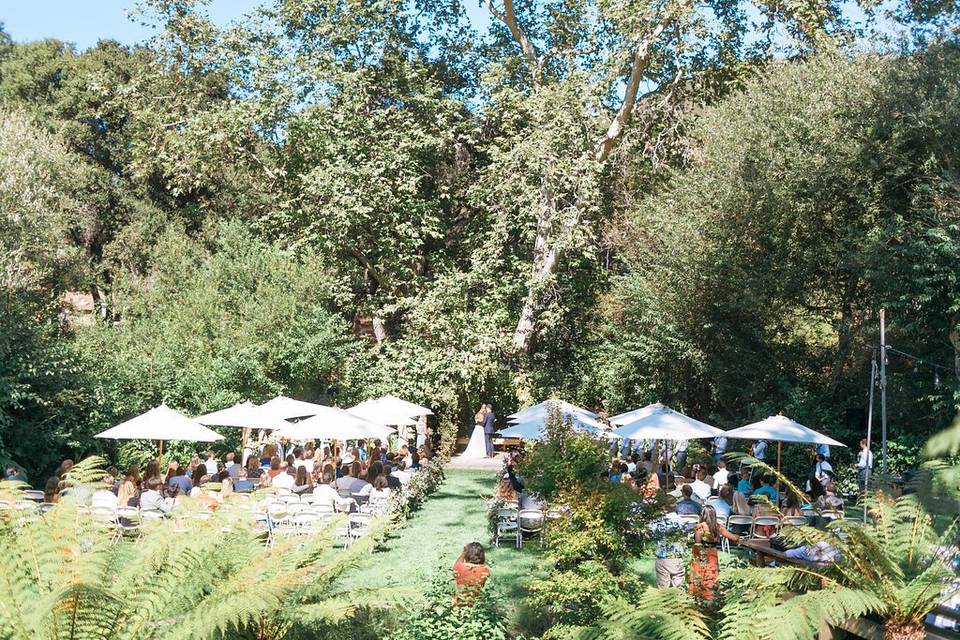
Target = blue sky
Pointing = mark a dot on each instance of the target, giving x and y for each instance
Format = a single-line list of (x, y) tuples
[(83, 22)]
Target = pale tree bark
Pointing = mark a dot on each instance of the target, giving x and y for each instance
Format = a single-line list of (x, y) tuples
[(549, 239)]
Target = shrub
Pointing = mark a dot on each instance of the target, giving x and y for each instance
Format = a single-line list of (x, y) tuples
[(440, 619)]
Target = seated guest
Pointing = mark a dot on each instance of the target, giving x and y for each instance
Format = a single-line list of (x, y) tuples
[(615, 473), (740, 508), (345, 481), (415, 461), (269, 452), (303, 483), (820, 552), (720, 476), (128, 495), (151, 500), (724, 506), (275, 468), (285, 479), (792, 506), (13, 474), (470, 573), (104, 495), (506, 491), (324, 492), (400, 472), (243, 484), (357, 484), (210, 464), (199, 478), (829, 500), (181, 482), (687, 505), (380, 490), (700, 487), (743, 485), (765, 489), (632, 464), (254, 472), (51, 491)]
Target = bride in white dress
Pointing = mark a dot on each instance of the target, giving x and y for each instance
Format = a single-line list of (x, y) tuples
[(477, 447)]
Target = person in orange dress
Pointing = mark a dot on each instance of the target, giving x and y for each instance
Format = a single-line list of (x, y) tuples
[(704, 566), (470, 573)]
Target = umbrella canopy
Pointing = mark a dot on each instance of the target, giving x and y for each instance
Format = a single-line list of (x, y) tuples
[(390, 410), (533, 429), (663, 423), (335, 424), (284, 408), (245, 414), (632, 416), (161, 423), (781, 429), (542, 410)]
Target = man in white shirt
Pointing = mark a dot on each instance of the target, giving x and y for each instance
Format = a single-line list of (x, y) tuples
[(864, 462), (284, 479), (701, 488), (400, 473), (721, 475), (211, 464)]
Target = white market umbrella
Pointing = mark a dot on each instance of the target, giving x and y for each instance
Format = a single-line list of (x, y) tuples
[(284, 408), (781, 429), (381, 415), (541, 410), (161, 423), (632, 416), (660, 422), (245, 414), (534, 429), (391, 407), (335, 424)]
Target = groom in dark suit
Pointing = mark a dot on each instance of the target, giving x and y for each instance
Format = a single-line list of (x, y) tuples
[(489, 429)]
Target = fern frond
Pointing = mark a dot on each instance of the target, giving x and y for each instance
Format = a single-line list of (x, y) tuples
[(659, 614)]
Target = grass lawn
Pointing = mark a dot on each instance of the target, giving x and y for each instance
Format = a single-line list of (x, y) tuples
[(430, 542)]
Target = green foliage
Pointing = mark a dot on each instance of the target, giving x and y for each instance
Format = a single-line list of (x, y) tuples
[(440, 619), (562, 459)]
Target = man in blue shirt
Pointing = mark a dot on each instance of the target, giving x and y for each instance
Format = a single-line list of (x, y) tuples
[(824, 450), (687, 505), (766, 490), (743, 485), (760, 450), (180, 481)]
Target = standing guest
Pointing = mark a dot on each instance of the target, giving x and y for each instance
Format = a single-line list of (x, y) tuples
[(719, 448), (704, 567), (864, 463), (421, 431), (687, 505), (823, 450), (489, 428), (700, 487), (470, 573), (211, 463), (759, 450), (682, 446), (721, 475), (151, 500)]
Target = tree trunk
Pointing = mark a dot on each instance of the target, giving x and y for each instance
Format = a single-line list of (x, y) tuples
[(546, 257), (380, 330), (904, 631), (955, 341)]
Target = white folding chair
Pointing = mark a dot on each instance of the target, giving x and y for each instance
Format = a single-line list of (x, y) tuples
[(306, 523), (359, 524), (33, 494), (765, 521), (507, 526), (794, 521), (743, 523)]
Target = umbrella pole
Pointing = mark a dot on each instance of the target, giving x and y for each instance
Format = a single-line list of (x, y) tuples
[(779, 449), (161, 453)]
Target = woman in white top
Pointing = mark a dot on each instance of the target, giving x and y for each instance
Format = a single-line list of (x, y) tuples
[(380, 489)]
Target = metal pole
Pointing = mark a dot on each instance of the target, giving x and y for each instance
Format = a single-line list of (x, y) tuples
[(866, 476), (883, 393)]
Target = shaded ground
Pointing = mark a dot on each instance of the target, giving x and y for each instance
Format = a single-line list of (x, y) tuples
[(432, 539)]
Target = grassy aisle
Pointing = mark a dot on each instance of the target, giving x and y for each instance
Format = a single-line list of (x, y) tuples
[(433, 538)]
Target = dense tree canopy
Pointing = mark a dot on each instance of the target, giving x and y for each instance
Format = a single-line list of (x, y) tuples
[(696, 202)]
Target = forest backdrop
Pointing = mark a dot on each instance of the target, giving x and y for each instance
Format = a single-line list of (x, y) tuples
[(619, 202)]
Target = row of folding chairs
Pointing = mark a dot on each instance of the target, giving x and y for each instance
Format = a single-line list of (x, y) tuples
[(513, 523)]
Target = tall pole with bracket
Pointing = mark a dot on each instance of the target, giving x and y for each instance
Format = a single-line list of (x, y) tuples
[(883, 392)]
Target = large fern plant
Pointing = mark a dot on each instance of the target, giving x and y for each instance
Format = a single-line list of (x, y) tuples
[(896, 568), (64, 577)]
